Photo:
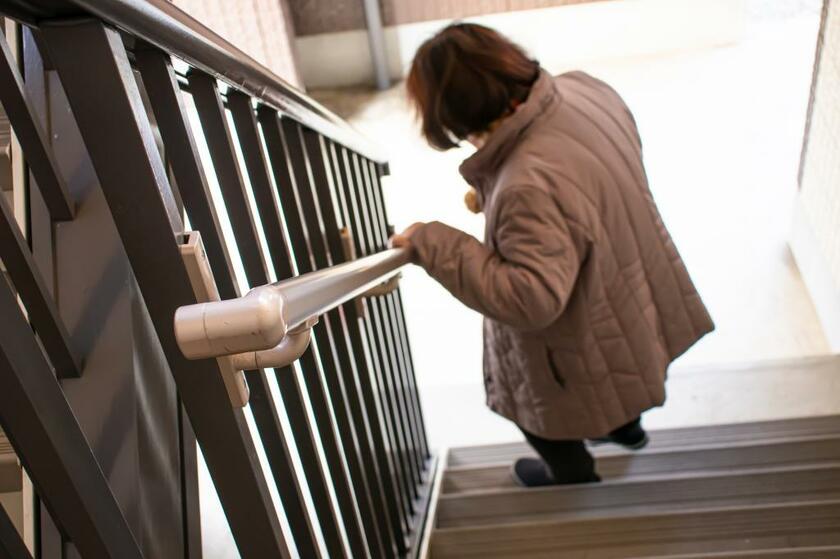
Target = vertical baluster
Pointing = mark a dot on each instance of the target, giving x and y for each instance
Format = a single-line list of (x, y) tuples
[(289, 164), (173, 121), (373, 244), (399, 314), (383, 307), (319, 189), (124, 155), (388, 343), (395, 300), (358, 217), (171, 115), (363, 364), (271, 217), (270, 212), (52, 446), (409, 387), (182, 156), (214, 122), (43, 312), (211, 113), (190, 490), (32, 138), (299, 197), (362, 328)]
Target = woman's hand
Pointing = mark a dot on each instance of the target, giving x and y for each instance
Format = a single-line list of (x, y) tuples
[(403, 240)]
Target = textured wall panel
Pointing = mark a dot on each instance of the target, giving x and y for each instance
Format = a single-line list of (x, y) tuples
[(312, 17), (820, 186), (323, 16), (261, 28)]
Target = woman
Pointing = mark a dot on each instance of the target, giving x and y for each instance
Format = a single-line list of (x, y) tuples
[(586, 300)]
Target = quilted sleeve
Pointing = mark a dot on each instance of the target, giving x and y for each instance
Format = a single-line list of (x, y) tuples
[(527, 280)]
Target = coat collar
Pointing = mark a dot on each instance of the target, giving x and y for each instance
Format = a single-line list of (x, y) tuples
[(479, 169)]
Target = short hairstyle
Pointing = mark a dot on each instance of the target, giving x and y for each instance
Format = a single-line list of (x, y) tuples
[(464, 78)]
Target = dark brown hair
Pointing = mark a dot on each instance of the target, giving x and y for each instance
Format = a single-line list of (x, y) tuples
[(464, 78)]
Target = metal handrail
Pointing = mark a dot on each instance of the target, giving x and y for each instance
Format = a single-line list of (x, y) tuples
[(260, 320), (165, 26)]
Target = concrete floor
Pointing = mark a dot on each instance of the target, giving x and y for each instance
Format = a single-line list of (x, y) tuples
[(722, 130)]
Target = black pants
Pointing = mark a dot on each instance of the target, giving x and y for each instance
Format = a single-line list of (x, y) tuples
[(570, 461)]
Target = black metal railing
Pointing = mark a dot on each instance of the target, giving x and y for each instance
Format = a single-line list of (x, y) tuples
[(291, 176)]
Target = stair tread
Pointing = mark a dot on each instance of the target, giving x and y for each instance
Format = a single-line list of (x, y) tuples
[(649, 462), (755, 489), (666, 438), (675, 492), (747, 527), (821, 552)]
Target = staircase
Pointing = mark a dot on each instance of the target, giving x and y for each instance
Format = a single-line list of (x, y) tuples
[(330, 459), (769, 489)]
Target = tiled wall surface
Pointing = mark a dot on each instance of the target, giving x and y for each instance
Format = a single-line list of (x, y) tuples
[(820, 184), (261, 28), (312, 17)]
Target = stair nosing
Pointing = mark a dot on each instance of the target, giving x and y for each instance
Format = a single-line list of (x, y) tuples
[(659, 515), (620, 452), (748, 553), (655, 515), (621, 499), (805, 467), (477, 455)]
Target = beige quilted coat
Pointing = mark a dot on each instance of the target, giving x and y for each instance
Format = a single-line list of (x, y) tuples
[(586, 299)]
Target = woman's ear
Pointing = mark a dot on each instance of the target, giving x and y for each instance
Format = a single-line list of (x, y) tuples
[(477, 140)]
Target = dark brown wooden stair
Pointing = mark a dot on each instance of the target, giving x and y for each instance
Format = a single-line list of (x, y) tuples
[(704, 531), (766, 489), (824, 552)]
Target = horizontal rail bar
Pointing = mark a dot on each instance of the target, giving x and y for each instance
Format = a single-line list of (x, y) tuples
[(260, 319), (162, 24)]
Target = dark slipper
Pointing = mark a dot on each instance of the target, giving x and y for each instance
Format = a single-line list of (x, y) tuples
[(531, 472), (629, 444), (631, 436)]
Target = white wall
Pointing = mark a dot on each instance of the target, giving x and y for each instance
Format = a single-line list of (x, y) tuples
[(816, 229), (806, 244), (559, 37), (722, 131)]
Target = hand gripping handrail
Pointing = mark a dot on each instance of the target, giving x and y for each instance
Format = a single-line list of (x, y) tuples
[(261, 319), (383, 288)]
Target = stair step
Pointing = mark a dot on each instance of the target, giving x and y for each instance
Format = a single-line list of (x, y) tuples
[(676, 492), (667, 438), (825, 552), (725, 529), (654, 461)]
